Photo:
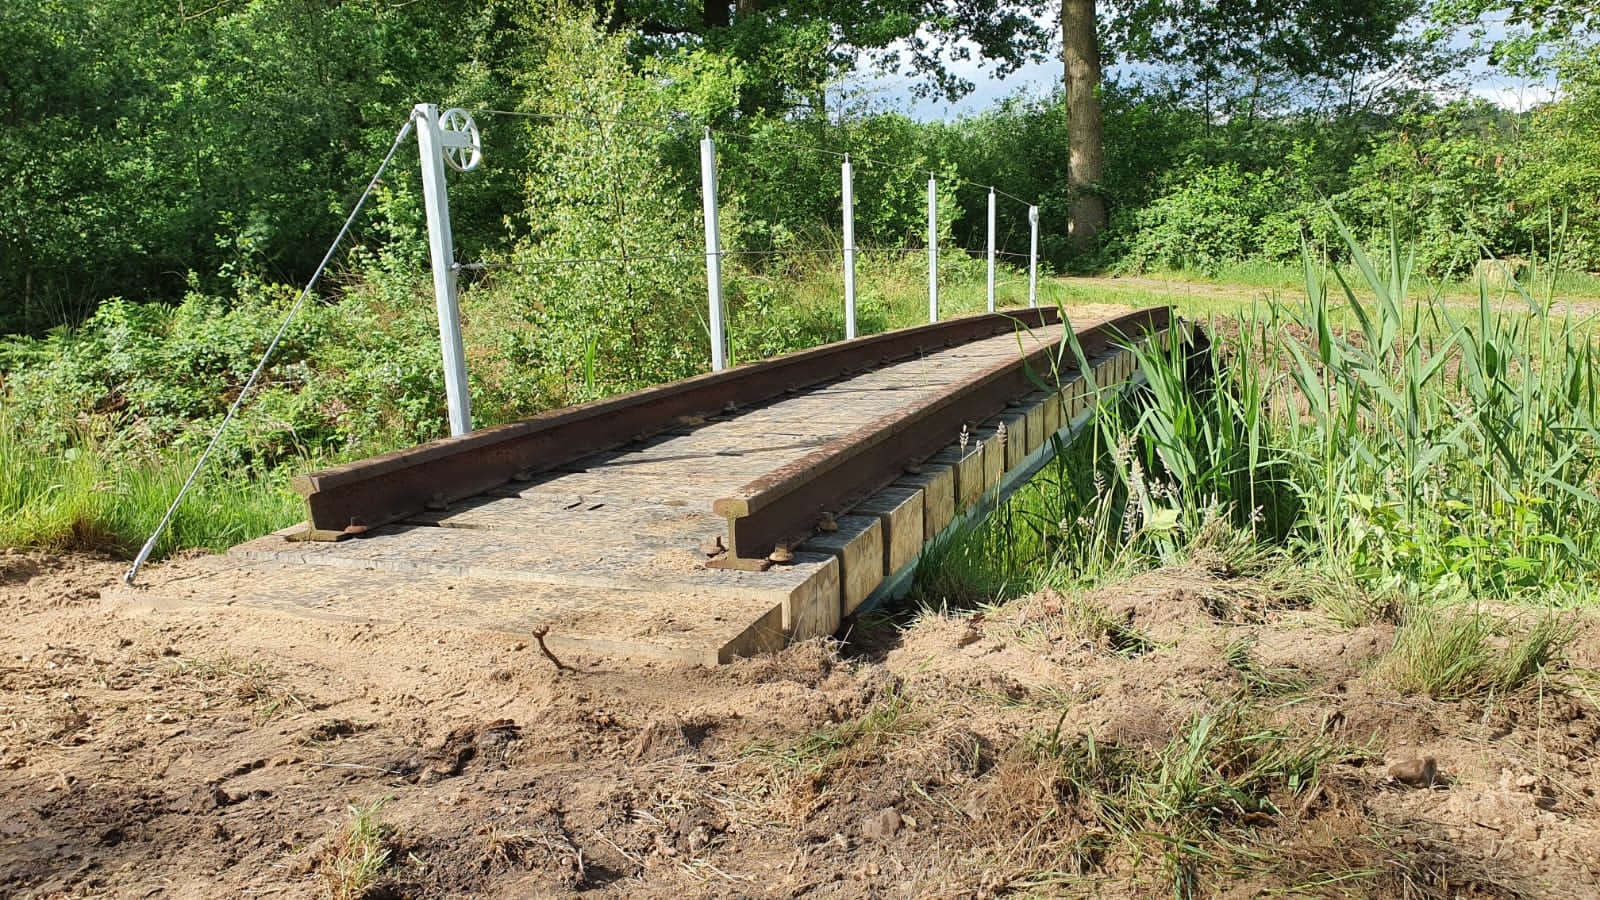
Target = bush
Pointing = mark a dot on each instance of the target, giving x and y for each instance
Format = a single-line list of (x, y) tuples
[(1209, 217)]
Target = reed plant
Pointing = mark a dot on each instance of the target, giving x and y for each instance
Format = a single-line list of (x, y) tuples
[(1400, 438), (1422, 448), (1454, 452)]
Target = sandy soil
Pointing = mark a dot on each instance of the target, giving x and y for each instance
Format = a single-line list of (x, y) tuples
[(217, 751)]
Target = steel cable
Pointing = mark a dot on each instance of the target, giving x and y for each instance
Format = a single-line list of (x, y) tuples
[(150, 545)]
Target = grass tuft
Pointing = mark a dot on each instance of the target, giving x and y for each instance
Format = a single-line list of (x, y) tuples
[(358, 854), (1195, 806), (1453, 654)]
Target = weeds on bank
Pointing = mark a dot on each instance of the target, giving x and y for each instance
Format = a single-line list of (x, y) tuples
[(1193, 807), (1451, 654), (1407, 445), (226, 680), (358, 854), (82, 498)]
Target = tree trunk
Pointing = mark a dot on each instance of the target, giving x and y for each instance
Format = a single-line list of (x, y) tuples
[(1080, 55), (715, 13)]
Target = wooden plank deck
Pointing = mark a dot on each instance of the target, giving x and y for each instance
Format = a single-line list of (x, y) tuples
[(607, 551)]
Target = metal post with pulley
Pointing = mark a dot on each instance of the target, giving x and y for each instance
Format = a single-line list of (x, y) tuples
[(448, 139)]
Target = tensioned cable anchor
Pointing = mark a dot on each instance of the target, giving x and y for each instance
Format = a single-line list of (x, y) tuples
[(150, 545)]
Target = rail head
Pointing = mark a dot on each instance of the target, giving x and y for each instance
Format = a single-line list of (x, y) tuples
[(392, 486), (784, 506)]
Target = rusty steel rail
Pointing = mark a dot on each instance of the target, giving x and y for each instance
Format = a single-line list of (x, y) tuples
[(387, 488), (784, 507)]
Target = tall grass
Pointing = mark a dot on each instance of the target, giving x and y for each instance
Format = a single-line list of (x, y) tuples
[(1426, 448), (83, 498), (1409, 441), (1444, 449)]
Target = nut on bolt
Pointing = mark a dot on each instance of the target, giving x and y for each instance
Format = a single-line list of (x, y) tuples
[(827, 523), (780, 555), (712, 546)]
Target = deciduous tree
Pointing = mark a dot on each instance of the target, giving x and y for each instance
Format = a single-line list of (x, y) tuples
[(1212, 51)]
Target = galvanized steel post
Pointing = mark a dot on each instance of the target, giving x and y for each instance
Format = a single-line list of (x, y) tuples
[(991, 250), (441, 253), (933, 249), (1033, 256), (708, 191), (847, 181)]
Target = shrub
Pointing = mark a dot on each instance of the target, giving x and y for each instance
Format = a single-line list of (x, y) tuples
[(1209, 217)]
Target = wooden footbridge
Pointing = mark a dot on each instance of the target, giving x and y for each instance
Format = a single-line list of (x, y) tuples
[(720, 516)]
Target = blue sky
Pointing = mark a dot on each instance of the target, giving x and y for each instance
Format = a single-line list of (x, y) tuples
[(1038, 79)]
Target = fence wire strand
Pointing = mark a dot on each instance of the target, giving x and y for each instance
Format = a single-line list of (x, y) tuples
[(684, 123), (161, 527), (488, 265)]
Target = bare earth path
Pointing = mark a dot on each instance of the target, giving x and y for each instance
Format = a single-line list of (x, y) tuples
[(216, 751), (1199, 297)]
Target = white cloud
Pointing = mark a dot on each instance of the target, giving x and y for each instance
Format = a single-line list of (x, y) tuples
[(1516, 97), (894, 91)]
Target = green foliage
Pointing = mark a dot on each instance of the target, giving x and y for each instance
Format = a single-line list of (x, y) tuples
[(597, 190), (1418, 447), (782, 185), (1445, 449), (1211, 217), (1528, 29), (147, 377), (793, 51), (145, 144), (1446, 181), (777, 313), (1451, 654), (1214, 48), (1559, 180)]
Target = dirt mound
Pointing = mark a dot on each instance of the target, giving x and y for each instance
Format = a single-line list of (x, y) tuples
[(219, 750)]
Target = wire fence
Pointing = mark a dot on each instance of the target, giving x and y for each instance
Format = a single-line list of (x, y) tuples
[(681, 125), (684, 127)]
